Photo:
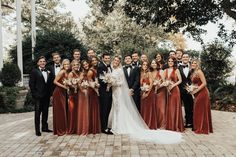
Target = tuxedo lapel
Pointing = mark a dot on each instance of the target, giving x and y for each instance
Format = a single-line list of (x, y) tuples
[(53, 71), (182, 71), (41, 75), (126, 73)]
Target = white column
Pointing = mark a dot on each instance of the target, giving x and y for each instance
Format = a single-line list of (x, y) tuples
[(33, 27), (1, 45), (19, 39)]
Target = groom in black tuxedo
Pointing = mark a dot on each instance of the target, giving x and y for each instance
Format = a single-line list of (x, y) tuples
[(132, 74), (105, 97), (39, 83), (185, 96)]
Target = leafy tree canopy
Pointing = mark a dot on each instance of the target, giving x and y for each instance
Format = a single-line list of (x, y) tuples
[(175, 15), (48, 42)]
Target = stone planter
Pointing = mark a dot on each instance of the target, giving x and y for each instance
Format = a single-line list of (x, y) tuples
[(20, 99)]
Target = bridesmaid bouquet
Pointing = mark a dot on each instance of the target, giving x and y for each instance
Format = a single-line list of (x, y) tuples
[(67, 83), (191, 88), (75, 83), (157, 83), (84, 84), (107, 78), (145, 87), (168, 84), (95, 85)]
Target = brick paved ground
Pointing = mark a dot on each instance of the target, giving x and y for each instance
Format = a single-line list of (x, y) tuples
[(17, 138)]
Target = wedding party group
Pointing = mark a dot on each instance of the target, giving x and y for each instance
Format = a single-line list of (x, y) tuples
[(113, 95)]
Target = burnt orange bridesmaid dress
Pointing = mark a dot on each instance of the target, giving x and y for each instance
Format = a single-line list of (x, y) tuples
[(160, 102), (147, 107), (59, 109), (72, 109), (83, 111), (174, 117), (94, 111), (202, 121)]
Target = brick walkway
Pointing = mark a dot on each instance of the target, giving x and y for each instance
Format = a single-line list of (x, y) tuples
[(17, 138)]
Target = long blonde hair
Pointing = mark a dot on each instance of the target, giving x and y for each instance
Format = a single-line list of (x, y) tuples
[(64, 62), (198, 63)]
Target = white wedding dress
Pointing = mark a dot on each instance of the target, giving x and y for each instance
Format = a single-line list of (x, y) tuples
[(124, 117)]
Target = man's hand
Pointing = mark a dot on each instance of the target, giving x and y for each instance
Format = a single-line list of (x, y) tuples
[(131, 92)]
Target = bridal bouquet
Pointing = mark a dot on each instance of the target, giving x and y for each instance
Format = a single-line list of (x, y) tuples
[(95, 85), (168, 84), (157, 83), (191, 88), (107, 78), (145, 87)]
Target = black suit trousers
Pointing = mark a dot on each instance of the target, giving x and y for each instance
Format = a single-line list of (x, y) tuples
[(105, 107), (188, 107), (41, 106)]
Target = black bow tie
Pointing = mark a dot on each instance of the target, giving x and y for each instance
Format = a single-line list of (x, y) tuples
[(57, 65), (179, 62), (43, 70), (185, 66), (135, 63), (128, 66), (108, 65)]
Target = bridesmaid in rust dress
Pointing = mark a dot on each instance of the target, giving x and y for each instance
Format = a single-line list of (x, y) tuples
[(83, 101), (174, 118), (59, 100), (202, 121), (73, 98), (160, 60), (160, 94), (94, 111), (148, 110)]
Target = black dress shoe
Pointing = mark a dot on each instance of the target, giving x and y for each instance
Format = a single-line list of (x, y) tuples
[(46, 130), (38, 133), (188, 126), (109, 132), (104, 131)]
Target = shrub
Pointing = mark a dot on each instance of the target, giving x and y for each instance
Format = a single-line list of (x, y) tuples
[(10, 74), (29, 105), (9, 95)]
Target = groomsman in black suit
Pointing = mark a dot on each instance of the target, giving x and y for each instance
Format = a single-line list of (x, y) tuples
[(135, 59), (39, 83), (179, 54), (55, 67), (185, 96), (76, 55), (105, 97), (132, 74)]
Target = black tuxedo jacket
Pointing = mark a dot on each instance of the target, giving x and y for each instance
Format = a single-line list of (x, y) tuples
[(39, 88), (51, 68), (53, 75), (103, 86), (185, 80), (133, 79)]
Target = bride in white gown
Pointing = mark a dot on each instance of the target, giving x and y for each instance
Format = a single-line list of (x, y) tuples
[(124, 117)]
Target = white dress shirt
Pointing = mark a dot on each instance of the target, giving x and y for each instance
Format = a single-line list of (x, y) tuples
[(57, 69), (45, 75), (186, 71)]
